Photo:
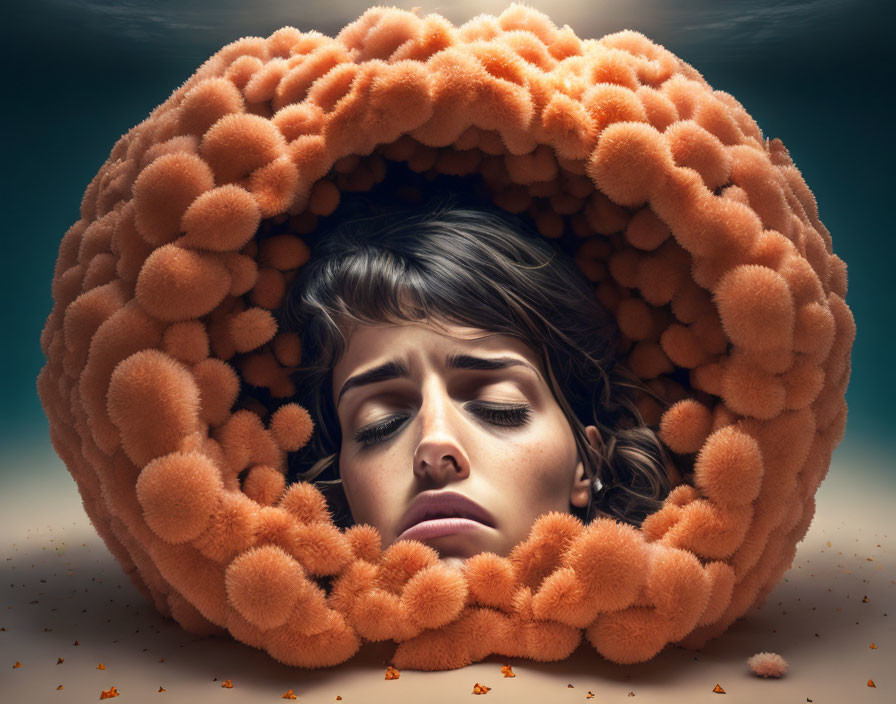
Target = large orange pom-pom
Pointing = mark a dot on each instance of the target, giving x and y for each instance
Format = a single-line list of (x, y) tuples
[(177, 492), (264, 584), (179, 284), (154, 402)]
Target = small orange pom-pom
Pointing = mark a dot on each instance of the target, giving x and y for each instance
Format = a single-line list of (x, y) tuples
[(252, 328), (264, 484), (767, 664), (291, 426), (283, 252), (685, 426)]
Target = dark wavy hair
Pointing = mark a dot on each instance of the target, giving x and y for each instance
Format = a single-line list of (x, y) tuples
[(471, 264)]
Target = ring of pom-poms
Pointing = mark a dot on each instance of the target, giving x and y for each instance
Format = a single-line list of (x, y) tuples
[(168, 384)]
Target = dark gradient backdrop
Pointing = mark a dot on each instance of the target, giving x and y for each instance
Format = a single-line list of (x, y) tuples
[(80, 73)]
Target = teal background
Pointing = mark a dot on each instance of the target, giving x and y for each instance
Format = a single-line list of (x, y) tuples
[(79, 74)]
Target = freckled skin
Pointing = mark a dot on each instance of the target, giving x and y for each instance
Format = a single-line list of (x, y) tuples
[(517, 473)]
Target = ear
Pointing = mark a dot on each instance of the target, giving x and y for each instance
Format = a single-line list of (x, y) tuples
[(581, 488)]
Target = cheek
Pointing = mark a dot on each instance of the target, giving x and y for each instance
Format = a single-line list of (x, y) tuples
[(369, 489), (546, 464)]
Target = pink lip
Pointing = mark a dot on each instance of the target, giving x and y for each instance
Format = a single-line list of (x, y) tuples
[(438, 527)]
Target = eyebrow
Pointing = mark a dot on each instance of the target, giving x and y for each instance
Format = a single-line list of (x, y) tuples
[(395, 369)]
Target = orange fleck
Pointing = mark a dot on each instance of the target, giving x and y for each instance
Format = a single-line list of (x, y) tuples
[(871, 683), (507, 671), (109, 693), (58, 688), (392, 673), (101, 667), (631, 694), (590, 695), (18, 664), (873, 646), (865, 599), (162, 689), (338, 698), (60, 660), (569, 686), (227, 684), (289, 694), (718, 689), (480, 688)]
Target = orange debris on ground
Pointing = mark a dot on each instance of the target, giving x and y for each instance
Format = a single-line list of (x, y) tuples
[(60, 660), (101, 667), (718, 689), (392, 673), (289, 694), (228, 684), (507, 671), (109, 693), (871, 683), (480, 688), (873, 646)]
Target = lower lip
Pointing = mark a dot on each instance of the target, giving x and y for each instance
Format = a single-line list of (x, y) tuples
[(439, 527)]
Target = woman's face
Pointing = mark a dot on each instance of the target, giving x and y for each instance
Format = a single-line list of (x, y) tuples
[(428, 424)]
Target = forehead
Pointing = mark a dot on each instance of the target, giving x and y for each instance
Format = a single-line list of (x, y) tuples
[(369, 344)]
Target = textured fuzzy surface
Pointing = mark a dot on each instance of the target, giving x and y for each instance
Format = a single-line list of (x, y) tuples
[(698, 233)]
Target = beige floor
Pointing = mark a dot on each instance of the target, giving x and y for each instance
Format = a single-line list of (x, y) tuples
[(61, 584)]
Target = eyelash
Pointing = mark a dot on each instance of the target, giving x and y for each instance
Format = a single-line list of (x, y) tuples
[(508, 416)]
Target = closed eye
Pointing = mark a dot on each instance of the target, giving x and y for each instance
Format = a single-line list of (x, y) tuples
[(503, 415)]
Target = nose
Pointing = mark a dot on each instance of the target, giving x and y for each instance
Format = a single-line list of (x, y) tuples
[(439, 457)]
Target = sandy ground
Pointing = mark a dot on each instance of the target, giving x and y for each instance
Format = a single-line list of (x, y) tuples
[(832, 618)]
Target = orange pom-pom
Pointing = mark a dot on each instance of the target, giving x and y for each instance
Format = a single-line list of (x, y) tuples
[(264, 484), (729, 467), (756, 307), (154, 401), (291, 426), (239, 143), (685, 426), (768, 664), (186, 341), (288, 349), (243, 272), (218, 386), (269, 289), (630, 162), (305, 501), (264, 584), (206, 103), (164, 190), (222, 219), (283, 252), (179, 284), (177, 492), (252, 328)]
